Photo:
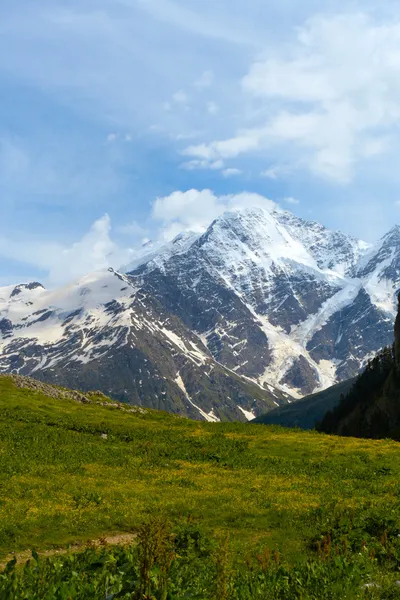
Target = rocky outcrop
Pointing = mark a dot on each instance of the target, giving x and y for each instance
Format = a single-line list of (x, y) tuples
[(52, 391)]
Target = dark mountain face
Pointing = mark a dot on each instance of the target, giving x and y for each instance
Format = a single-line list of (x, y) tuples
[(220, 325), (371, 408), (309, 411), (350, 334), (279, 299), (206, 305), (106, 333), (385, 259)]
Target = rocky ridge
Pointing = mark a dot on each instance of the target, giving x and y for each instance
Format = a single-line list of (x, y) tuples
[(281, 300), (104, 332), (226, 324)]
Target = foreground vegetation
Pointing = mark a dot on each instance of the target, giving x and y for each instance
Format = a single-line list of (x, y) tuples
[(307, 515), (186, 564)]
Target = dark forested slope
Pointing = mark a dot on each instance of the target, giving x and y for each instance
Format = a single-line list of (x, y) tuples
[(308, 411), (372, 406)]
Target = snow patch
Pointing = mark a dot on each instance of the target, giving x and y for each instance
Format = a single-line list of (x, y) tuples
[(247, 413), (207, 416)]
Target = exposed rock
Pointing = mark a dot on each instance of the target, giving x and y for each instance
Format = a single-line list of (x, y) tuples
[(212, 324), (301, 376), (64, 394), (115, 337)]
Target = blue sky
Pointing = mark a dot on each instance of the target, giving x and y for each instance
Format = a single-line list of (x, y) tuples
[(108, 106)]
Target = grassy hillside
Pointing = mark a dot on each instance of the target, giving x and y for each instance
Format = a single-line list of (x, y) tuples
[(75, 470), (306, 413)]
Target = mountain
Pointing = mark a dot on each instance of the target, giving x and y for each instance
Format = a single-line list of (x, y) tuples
[(309, 411), (260, 308), (281, 300), (104, 332), (371, 408)]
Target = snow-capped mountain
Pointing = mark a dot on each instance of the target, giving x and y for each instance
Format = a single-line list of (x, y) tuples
[(104, 332), (279, 299), (220, 325), (158, 252)]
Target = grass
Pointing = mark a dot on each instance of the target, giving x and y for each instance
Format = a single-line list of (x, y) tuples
[(299, 495)]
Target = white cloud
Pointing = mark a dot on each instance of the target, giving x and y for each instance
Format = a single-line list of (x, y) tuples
[(114, 137), (94, 251), (230, 172), (188, 135), (332, 96), (199, 23), (271, 173), (215, 165), (133, 229), (194, 210), (245, 141), (276, 172), (63, 263), (291, 200)]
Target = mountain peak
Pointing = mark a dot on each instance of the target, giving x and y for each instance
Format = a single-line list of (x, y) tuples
[(24, 287), (392, 236), (274, 298)]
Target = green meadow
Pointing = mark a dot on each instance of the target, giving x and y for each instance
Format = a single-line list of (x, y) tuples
[(223, 510)]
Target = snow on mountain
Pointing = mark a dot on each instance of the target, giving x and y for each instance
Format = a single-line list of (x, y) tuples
[(279, 299), (380, 271), (217, 325), (332, 250), (158, 252), (104, 332)]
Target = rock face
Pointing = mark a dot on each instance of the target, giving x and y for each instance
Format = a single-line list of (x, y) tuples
[(279, 299), (106, 333), (224, 324)]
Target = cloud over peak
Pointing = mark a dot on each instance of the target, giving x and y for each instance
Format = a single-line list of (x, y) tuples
[(194, 210)]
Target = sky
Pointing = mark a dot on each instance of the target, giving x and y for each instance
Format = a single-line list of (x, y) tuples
[(128, 120)]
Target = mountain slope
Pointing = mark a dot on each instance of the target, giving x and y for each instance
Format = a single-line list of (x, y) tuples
[(104, 332), (221, 325), (279, 299), (371, 408), (306, 413)]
